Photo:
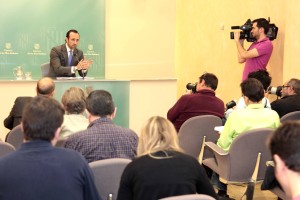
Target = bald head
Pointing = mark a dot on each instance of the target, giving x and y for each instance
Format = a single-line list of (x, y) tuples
[(45, 87)]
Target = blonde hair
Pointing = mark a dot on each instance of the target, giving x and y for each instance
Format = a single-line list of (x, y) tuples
[(74, 100), (158, 134)]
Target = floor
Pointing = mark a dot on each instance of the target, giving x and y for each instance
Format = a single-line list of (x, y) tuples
[(236, 192)]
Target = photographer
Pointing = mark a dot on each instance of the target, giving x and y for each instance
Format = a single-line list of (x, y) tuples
[(265, 79), (290, 98), (257, 56), (202, 102)]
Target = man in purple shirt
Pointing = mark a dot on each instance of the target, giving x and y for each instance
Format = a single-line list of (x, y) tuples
[(257, 56), (203, 102)]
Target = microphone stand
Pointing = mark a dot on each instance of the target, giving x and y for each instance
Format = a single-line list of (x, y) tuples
[(83, 75)]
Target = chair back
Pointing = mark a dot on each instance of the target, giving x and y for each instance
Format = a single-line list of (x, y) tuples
[(290, 116), (243, 154), (193, 130), (190, 197), (6, 148), (108, 174), (15, 137), (47, 70)]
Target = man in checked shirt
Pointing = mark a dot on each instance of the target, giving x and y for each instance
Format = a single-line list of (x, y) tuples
[(103, 139)]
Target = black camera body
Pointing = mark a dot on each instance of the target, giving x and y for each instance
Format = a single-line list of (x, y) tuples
[(246, 31), (230, 104), (192, 87)]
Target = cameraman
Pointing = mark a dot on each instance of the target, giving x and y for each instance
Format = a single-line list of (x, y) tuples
[(202, 102), (290, 100), (258, 54)]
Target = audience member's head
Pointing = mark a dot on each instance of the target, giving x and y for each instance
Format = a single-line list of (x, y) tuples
[(285, 149), (45, 87), (42, 118), (207, 81), (252, 90), (263, 76), (74, 100), (291, 87), (100, 103), (158, 134)]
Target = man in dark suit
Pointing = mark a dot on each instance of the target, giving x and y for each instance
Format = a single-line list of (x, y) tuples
[(44, 87), (66, 59)]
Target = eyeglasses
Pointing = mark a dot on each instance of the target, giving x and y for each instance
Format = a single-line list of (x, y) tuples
[(285, 86)]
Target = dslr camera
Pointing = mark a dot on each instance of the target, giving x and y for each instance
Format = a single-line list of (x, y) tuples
[(192, 87), (275, 90), (246, 31)]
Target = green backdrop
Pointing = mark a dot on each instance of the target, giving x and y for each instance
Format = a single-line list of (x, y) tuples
[(30, 28)]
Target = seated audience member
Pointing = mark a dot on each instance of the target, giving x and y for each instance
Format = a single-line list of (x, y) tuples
[(162, 169), (203, 102), (239, 121), (265, 79), (38, 170), (284, 145), (73, 101), (45, 87), (290, 100), (103, 139)]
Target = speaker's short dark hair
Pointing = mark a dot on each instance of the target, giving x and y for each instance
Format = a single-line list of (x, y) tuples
[(71, 31)]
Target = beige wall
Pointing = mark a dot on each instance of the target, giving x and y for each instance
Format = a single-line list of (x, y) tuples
[(140, 39), (203, 46), (291, 62)]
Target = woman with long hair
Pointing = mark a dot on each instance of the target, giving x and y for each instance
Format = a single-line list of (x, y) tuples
[(161, 168)]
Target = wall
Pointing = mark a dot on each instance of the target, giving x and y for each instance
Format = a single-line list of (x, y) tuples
[(292, 41), (140, 39)]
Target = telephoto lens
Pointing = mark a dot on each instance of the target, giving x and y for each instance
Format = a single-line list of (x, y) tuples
[(191, 86), (230, 104)]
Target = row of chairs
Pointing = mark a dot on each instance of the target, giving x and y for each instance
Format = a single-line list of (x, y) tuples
[(111, 171), (244, 163), (15, 137)]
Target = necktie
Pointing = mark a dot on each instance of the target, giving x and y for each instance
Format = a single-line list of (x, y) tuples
[(70, 58)]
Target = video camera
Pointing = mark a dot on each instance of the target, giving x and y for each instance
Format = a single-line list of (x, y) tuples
[(192, 87), (275, 90), (246, 31)]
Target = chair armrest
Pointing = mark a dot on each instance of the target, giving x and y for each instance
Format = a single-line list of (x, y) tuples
[(216, 148)]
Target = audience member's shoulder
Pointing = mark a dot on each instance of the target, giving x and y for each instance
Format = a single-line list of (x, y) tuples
[(77, 136), (69, 154), (23, 99)]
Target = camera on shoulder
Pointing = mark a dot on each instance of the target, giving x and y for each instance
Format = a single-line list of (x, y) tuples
[(246, 31)]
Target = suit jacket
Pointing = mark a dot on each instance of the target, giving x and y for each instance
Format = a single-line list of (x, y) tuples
[(15, 114), (59, 61)]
